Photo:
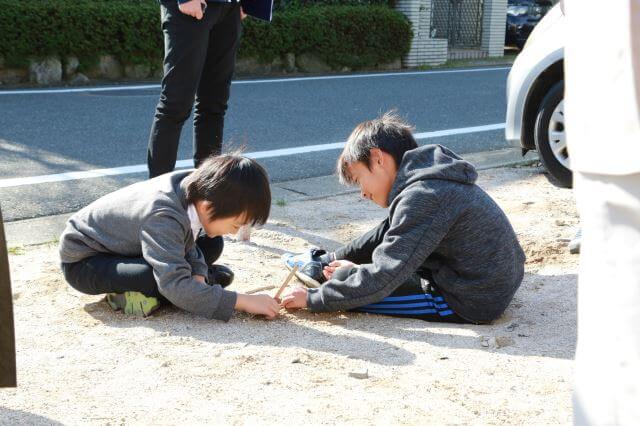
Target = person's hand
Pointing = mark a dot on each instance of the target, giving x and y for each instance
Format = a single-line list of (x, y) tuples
[(295, 299), (193, 8), (242, 14), (200, 278), (258, 304), (331, 268)]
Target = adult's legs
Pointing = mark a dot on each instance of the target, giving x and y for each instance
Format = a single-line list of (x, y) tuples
[(186, 42), (215, 82), (360, 250)]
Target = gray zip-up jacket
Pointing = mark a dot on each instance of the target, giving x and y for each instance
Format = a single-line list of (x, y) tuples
[(440, 221), (149, 220)]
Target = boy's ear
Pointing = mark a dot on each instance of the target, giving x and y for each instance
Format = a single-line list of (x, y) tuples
[(376, 156)]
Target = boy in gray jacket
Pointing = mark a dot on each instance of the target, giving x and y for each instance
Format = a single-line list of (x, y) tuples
[(446, 252), (142, 244)]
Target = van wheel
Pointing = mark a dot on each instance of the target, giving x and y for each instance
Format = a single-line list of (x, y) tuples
[(550, 137)]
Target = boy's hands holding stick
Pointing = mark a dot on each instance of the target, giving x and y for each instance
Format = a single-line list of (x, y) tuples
[(295, 299), (258, 304)]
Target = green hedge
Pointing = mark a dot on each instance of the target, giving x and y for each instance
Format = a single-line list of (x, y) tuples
[(353, 36)]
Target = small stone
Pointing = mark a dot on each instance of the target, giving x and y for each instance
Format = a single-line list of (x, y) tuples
[(528, 203), (512, 326), (503, 341), (359, 374), (444, 358), (560, 222), (165, 364), (484, 341), (296, 361)]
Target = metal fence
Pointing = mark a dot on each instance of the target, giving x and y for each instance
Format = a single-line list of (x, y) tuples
[(460, 22)]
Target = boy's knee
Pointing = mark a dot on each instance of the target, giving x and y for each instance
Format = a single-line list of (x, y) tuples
[(72, 275)]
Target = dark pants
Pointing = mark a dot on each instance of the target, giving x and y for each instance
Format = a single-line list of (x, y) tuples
[(107, 273), (198, 64), (418, 297)]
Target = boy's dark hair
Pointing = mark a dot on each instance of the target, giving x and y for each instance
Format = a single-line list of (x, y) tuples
[(389, 133), (234, 185)]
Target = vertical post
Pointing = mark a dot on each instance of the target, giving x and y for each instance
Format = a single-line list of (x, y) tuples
[(425, 50), (494, 22), (7, 333)]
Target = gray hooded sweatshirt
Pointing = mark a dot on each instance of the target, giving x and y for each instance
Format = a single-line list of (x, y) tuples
[(149, 219), (440, 221)]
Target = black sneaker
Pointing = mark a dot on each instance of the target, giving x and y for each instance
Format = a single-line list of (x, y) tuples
[(309, 265), (220, 274)]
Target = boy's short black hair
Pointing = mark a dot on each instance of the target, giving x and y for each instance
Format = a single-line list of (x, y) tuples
[(233, 185), (389, 133)]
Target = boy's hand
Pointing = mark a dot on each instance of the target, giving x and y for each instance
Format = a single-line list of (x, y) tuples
[(193, 8), (200, 278), (329, 270), (258, 304), (295, 299)]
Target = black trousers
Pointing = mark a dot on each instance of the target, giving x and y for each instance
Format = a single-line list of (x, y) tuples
[(418, 297), (116, 274), (199, 61)]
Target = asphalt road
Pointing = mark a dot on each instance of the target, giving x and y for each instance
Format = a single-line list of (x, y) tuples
[(50, 132)]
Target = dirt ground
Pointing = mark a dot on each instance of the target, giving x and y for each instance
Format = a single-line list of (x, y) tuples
[(81, 363)]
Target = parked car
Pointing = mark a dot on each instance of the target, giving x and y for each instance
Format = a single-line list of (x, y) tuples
[(535, 98), (522, 17)]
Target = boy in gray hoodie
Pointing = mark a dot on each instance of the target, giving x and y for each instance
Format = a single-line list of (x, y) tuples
[(157, 240), (446, 251)]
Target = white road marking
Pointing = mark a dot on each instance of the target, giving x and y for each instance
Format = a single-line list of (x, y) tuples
[(284, 152)]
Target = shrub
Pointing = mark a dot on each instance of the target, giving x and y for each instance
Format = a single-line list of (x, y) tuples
[(344, 35)]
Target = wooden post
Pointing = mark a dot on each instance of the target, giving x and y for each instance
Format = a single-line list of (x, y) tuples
[(7, 333)]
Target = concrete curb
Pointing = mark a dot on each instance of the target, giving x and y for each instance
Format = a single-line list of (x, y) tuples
[(47, 229)]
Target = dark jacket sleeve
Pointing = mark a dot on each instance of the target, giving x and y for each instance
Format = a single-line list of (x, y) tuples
[(163, 247), (418, 223)]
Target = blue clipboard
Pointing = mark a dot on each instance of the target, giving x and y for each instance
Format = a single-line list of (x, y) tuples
[(261, 9)]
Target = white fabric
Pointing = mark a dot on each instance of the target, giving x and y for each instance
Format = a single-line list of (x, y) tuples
[(607, 381), (196, 226), (602, 85)]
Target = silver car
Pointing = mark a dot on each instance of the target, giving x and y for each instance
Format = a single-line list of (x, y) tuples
[(535, 98)]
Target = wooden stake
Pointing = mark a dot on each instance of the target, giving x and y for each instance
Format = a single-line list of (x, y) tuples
[(286, 282)]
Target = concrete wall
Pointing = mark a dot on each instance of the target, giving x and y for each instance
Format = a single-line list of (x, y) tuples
[(424, 49)]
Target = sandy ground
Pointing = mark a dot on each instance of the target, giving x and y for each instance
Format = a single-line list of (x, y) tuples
[(81, 363)]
